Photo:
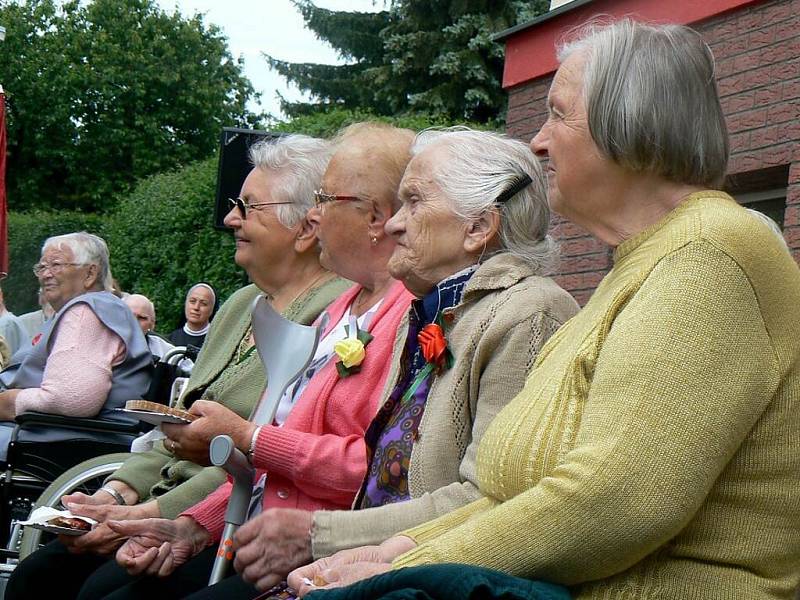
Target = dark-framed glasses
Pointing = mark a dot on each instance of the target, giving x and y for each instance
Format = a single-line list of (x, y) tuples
[(54, 267), (246, 206), (321, 197)]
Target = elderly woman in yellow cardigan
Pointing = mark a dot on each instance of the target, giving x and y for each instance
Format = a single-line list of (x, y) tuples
[(653, 452)]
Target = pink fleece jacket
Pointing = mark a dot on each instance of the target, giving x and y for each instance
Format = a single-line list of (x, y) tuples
[(318, 458)]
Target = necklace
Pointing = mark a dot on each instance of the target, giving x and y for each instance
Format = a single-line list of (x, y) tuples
[(365, 299), (313, 282), (246, 346)]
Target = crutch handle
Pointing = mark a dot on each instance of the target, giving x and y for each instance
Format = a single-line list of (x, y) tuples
[(223, 453)]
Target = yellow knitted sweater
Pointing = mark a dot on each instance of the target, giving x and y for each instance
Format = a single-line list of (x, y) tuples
[(654, 452)]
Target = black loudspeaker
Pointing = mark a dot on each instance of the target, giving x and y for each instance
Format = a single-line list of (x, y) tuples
[(234, 165)]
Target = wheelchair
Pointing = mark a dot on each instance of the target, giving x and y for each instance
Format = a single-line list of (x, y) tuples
[(42, 448), (52, 455)]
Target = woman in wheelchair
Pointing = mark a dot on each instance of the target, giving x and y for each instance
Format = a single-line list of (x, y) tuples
[(278, 249), (91, 357)]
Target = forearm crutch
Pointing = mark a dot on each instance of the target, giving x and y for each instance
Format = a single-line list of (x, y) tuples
[(224, 454), (286, 349)]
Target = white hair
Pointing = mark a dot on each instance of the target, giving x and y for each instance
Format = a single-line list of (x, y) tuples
[(87, 249), (480, 168), (299, 161)]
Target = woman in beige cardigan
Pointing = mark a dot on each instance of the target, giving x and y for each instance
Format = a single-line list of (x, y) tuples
[(472, 243)]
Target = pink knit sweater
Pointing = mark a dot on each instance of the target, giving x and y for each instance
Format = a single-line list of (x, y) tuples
[(77, 377), (318, 458)]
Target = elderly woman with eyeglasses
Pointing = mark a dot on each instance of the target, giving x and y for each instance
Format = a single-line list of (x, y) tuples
[(91, 357)]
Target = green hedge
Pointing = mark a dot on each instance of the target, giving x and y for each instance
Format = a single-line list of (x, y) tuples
[(27, 231), (162, 240)]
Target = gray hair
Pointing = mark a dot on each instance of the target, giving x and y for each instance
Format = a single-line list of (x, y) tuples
[(480, 167), (300, 162), (652, 100), (88, 249)]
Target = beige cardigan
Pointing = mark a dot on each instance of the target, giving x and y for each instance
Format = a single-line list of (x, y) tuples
[(506, 315)]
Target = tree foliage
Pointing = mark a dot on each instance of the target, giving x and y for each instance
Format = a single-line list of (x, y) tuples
[(103, 93), (425, 56), (162, 240)]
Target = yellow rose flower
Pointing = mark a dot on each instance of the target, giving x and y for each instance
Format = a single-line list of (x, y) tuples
[(350, 351)]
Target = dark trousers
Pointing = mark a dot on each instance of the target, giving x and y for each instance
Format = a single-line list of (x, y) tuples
[(52, 570)]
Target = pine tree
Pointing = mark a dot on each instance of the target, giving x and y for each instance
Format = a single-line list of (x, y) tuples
[(420, 56), (356, 37)]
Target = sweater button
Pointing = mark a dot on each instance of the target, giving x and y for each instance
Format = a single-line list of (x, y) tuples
[(282, 494)]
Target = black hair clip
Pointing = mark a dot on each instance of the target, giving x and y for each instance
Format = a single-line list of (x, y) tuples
[(520, 184)]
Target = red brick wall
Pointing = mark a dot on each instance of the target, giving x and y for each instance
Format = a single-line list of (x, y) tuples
[(757, 49)]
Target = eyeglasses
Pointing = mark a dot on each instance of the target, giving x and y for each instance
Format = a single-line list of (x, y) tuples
[(321, 197), (55, 267), (245, 206)]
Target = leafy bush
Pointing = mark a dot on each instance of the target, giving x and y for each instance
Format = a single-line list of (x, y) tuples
[(27, 231), (162, 240)]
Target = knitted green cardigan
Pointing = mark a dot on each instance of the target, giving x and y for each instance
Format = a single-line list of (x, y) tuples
[(178, 484)]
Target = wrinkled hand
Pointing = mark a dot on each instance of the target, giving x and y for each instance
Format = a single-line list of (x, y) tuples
[(272, 544), (102, 539), (349, 566), (101, 497), (343, 568), (191, 441), (159, 546), (108, 512)]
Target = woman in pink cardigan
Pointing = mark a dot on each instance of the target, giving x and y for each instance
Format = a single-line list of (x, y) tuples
[(315, 455)]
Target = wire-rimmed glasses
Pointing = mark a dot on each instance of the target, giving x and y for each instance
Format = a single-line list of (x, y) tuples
[(54, 267), (246, 206), (321, 197)]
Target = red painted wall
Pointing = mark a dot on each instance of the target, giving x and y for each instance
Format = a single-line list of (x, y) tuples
[(540, 41)]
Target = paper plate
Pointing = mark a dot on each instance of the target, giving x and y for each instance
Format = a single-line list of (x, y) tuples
[(154, 418), (57, 529)]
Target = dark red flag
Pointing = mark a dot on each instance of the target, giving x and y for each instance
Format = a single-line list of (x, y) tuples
[(3, 206)]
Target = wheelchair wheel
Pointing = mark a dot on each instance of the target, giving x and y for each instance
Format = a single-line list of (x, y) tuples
[(86, 477)]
